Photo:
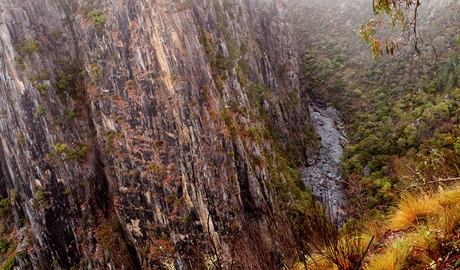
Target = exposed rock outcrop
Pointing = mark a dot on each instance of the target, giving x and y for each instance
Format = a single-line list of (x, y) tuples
[(148, 134)]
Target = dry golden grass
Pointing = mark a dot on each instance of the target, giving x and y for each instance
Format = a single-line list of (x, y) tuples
[(434, 220), (375, 229), (393, 258), (422, 239), (298, 266), (412, 211), (320, 263), (315, 263), (386, 261), (448, 219), (348, 244), (414, 247), (450, 197)]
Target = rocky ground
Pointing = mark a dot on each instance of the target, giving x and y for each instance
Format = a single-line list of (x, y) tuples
[(323, 172)]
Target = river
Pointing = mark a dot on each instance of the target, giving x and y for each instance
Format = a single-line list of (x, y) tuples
[(323, 173)]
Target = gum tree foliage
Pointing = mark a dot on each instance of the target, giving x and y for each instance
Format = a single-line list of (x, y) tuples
[(393, 13)]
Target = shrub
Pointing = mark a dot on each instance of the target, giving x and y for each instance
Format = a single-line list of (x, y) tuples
[(61, 147), (40, 196), (41, 110), (5, 202), (4, 245), (27, 46), (9, 263), (98, 18), (97, 73), (70, 114), (72, 154), (57, 34), (42, 87), (14, 195), (4, 206), (44, 75), (319, 238)]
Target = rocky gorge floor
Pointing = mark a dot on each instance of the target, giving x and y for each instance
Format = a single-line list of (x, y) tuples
[(323, 172)]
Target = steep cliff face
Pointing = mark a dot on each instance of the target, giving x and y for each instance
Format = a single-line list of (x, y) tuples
[(148, 134)]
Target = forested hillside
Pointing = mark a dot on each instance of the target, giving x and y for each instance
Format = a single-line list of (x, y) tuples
[(402, 114), (399, 107)]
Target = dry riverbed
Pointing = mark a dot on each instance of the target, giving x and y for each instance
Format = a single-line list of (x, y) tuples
[(323, 172)]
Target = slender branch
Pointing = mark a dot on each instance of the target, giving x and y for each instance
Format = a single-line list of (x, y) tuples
[(416, 46), (436, 181), (358, 266)]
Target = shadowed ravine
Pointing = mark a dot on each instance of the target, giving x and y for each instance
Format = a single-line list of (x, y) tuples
[(323, 173)]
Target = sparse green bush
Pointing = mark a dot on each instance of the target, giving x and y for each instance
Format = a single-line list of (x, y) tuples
[(68, 79), (14, 195), (4, 245), (43, 88), (56, 34), (9, 263), (98, 18), (70, 114), (4, 206), (5, 202), (61, 147), (72, 154), (97, 72), (41, 110), (27, 46), (44, 75), (40, 196)]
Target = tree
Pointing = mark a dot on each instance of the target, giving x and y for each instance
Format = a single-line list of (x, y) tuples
[(403, 13)]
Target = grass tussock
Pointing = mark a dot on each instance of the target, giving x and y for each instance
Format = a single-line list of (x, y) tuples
[(393, 258), (412, 211), (422, 233), (434, 222), (450, 197), (441, 210), (448, 219), (407, 251)]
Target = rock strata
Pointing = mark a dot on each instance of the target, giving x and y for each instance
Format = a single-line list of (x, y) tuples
[(147, 134)]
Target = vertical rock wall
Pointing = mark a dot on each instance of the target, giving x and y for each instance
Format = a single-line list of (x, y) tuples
[(148, 133)]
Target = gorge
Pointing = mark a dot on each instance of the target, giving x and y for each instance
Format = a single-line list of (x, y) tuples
[(210, 134)]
